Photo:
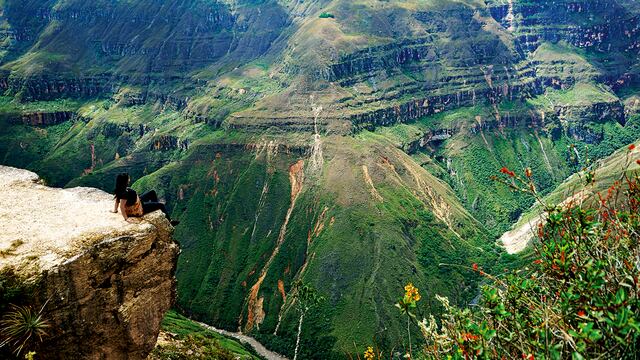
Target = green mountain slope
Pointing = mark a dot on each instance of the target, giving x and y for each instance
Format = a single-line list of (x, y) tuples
[(574, 191), (352, 151), (181, 338)]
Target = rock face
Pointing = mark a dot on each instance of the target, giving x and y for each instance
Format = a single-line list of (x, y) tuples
[(46, 118), (106, 283)]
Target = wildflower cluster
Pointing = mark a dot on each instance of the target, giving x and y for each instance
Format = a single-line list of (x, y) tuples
[(411, 293), (369, 354), (408, 301)]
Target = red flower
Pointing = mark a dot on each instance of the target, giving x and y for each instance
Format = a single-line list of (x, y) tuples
[(537, 262), (475, 267), (540, 230), (638, 161), (506, 171), (581, 313), (632, 147), (469, 337)]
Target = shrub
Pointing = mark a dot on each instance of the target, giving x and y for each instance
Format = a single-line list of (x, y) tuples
[(578, 299), (326, 15)]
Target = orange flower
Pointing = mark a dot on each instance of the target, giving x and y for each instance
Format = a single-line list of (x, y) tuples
[(528, 172), (369, 354), (475, 267), (411, 293), (537, 262), (581, 313)]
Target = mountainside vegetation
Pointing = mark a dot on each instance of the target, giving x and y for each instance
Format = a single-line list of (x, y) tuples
[(346, 144), (577, 299)]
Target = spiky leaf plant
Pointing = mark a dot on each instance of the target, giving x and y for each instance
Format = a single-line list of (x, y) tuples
[(21, 326)]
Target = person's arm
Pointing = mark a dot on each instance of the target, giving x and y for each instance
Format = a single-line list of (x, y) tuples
[(115, 207), (123, 211)]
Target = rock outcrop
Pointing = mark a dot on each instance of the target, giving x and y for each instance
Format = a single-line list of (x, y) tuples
[(105, 284), (46, 118)]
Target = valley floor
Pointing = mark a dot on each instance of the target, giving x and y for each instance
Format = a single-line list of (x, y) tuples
[(245, 339)]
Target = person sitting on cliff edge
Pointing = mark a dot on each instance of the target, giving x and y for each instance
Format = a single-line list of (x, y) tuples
[(131, 205)]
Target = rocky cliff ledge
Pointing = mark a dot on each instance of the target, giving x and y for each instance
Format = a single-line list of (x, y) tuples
[(106, 283)]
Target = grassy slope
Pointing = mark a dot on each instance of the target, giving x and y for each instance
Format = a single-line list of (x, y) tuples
[(358, 256), (215, 187)]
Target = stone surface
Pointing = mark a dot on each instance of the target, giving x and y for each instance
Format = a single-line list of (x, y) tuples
[(106, 283)]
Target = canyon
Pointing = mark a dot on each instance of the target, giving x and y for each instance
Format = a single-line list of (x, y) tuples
[(353, 152)]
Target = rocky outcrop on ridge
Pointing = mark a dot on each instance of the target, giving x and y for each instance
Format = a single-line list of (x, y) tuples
[(104, 284)]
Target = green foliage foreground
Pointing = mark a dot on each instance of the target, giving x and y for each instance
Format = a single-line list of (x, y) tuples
[(578, 299)]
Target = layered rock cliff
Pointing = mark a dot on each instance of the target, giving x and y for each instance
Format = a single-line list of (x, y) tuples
[(105, 284)]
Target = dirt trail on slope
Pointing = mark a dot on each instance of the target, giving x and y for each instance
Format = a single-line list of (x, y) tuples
[(372, 188)]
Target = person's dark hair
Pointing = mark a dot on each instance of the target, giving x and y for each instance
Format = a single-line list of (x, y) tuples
[(122, 181)]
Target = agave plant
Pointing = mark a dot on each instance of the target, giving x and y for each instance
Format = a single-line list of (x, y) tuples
[(22, 325)]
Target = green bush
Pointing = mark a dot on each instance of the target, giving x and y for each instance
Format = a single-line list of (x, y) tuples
[(326, 15), (578, 299)]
